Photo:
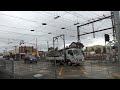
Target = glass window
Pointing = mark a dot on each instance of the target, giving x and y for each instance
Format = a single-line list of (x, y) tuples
[(77, 52), (70, 52)]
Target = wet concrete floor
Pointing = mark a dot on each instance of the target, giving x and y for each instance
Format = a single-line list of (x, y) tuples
[(90, 69)]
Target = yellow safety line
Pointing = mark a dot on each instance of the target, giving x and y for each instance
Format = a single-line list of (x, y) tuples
[(83, 71), (73, 75), (116, 75), (60, 72)]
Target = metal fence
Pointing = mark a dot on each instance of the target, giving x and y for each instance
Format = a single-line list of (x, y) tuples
[(7, 65), (44, 69), (21, 70)]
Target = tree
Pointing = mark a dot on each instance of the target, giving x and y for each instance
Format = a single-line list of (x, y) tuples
[(76, 45), (50, 49), (56, 49), (79, 45), (92, 49), (86, 49), (98, 50), (104, 50)]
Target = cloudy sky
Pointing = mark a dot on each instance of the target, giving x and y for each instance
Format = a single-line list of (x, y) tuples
[(17, 25)]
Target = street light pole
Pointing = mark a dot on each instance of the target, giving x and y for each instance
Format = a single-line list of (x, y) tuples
[(48, 44), (20, 51), (15, 51), (36, 48), (64, 47), (6, 51), (117, 28), (78, 34), (13, 64), (13, 68), (54, 57), (54, 39), (36, 44)]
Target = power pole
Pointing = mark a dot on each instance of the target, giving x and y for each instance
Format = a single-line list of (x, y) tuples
[(91, 22), (20, 52), (47, 44), (93, 30), (13, 63), (113, 25), (55, 71), (78, 34), (15, 51), (36, 47), (54, 39), (117, 28), (64, 48), (6, 51)]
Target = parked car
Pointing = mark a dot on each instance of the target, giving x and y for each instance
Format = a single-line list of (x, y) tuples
[(30, 59)]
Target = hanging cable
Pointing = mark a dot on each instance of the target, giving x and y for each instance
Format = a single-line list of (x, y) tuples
[(19, 18)]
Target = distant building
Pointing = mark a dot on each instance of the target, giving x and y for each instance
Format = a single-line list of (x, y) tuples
[(42, 54), (25, 49), (93, 48), (22, 50), (1, 54)]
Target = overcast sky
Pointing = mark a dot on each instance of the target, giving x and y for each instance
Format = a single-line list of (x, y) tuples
[(17, 25)]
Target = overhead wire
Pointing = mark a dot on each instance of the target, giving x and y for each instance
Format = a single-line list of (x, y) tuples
[(58, 27), (18, 33), (88, 13), (96, 14), (19, 18), (93, 18), (76, 15), (50, 21), (100, 25), (13, 27), (61, 17), (22, 18), (16, 27), (64, 19), (15, 32)]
